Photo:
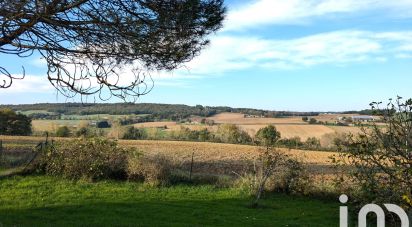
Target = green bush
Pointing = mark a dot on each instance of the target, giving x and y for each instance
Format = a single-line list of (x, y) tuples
[(63, 131), (185, 133), (230, 133), (294, 142), (91, 159), (133, 133), (267, 136), (205, 135), (83, 131), (12, 123), (313, 121), (294, 177), (312, 143)]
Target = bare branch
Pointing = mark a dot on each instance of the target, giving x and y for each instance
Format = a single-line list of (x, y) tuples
[(87, 43)]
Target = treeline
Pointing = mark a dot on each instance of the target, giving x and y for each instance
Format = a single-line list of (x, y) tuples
[(12, 123), (364, 112), (161, 111), (226, 133)]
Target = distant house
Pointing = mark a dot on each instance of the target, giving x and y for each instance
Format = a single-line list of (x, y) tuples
[(363, 118)]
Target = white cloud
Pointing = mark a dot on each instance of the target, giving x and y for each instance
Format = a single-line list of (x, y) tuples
[(236, 53), (29, 84), (403, 56), (270, 12), (232, 53)]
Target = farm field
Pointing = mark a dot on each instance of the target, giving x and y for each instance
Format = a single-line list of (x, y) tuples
[(303, 131), (209, 158), (288, 126), (205, 150), (53, 125), (239, 119), (156, 124)]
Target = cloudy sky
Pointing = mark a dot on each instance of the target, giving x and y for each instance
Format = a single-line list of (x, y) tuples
[(305, 55)]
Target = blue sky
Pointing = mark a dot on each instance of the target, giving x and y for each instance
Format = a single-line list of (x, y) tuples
[(304, 55)]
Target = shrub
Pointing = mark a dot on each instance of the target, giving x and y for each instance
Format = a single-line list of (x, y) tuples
[(293, 177), (268, 136), (91, 159), (12, 123), (205, 135), (154, 170), (230, 133), (133, 133), (274, 170), (313, 121), (155, 133), (83, 131), (63, 131), (381, 156), (294, 142), (312, 143), (185, 133), (329, 140)]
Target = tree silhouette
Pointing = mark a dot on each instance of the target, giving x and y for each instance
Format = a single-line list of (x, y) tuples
[(88, 43)]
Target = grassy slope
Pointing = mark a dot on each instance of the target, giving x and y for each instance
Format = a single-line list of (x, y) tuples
[(39, 200)]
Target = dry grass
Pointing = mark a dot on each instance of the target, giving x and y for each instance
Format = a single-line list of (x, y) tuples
[(192, 127), (156, 124), (26, 139), (53, 125), (346, 129)]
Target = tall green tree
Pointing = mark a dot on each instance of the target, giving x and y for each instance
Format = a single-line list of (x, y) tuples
[(12, 123), (268, 136)]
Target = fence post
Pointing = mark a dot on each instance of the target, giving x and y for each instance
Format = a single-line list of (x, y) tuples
[(191, 168), (1, 152)]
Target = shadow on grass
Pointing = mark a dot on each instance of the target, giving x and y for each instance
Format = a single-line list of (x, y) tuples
[(279, 210)]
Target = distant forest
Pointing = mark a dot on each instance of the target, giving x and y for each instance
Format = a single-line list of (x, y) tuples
[(162, 111)]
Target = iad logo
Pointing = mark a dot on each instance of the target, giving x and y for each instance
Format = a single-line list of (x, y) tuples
[(372, 208)]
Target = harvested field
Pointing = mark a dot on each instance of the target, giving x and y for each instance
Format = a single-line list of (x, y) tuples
[(346, 129), (216, 158), (239, 119), (156, 124), (210, 158)]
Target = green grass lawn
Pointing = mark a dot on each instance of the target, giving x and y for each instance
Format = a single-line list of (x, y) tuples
[(48, 201)]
